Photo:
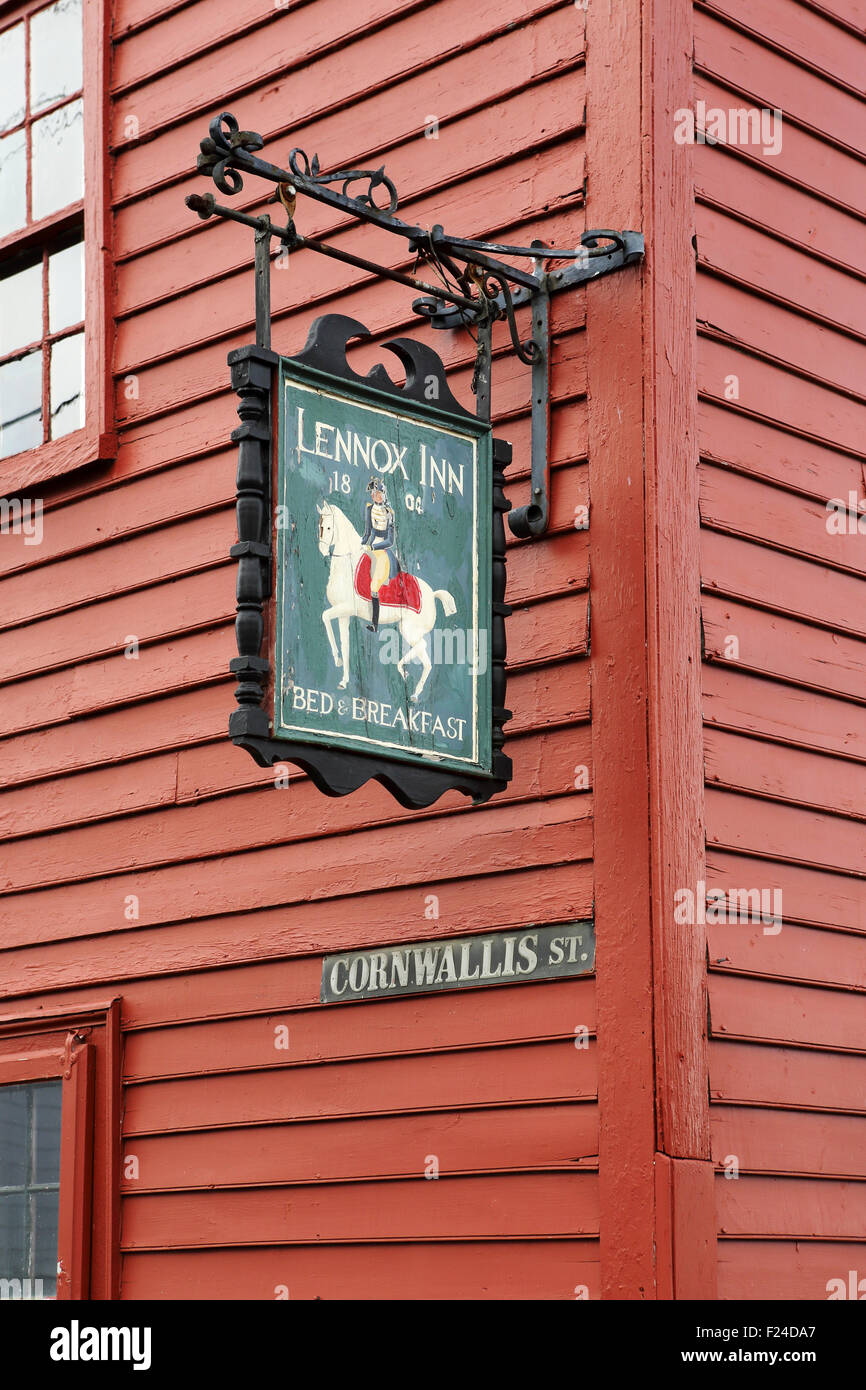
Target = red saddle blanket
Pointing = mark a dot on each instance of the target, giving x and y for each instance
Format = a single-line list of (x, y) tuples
[(403, 591)]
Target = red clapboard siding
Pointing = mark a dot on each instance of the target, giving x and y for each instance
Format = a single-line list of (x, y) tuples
[(381, 127), (774, 80), (392, 1026), (183, 949), (808, 346), (501, 1205), (171, 261), (120, 786), (201, 770), (202, 594), (201, 828), (784, 773), (784, 1269), (747, 507), (515, 835), (734, 700), (199, 602), (189, 433), (779, 396), (243, 990), (203, 485), (792, 275), (292, 288), (552, 1269), (118, 734), (790, 213), (761, 1140), (775, 831), (809, 1207), (809, 895), (804, 159), (796, 953), (200, 716), (780, 294), (773, 645), (796, 1078), (187, 29), (786, 1013), (535, 637), (387, 1085), (203, 374), (282, 80), (809, 37), (142, 226), (158, 553), (46, 805), (524, 1136), (780, 582), (759, 448)]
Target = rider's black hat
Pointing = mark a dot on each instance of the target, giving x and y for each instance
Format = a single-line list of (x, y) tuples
[(378, 485)]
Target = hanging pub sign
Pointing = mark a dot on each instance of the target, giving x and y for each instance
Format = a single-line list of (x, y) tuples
[(371, 572), (371, 538)]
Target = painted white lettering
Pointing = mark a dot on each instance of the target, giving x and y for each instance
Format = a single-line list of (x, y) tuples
[(528, 953), (335, 988), (465, 972), (321, 431)]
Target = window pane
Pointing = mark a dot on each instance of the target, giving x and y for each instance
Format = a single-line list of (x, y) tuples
[(46, 1120), (11, 76), (58, 159), (14, 1236), (14, 1165), (55, 53), (30, 1117), (67, 382), (21, 309), (21, 404), (66, 287), (46, 1207), (13, 183)]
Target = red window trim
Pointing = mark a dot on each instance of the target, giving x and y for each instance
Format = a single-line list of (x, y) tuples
[(96, 442), (83, 1047)]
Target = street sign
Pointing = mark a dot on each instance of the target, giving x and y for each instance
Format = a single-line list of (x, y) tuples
[(387, 643), (512, 957)]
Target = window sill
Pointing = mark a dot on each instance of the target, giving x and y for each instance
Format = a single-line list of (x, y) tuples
[(21, 472)]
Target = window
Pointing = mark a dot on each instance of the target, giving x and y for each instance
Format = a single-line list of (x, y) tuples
[(59, 1154), (42, 347), (29, 1187), (54, 389)]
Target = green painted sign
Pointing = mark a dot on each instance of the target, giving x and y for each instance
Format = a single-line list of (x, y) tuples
[(382, 514)]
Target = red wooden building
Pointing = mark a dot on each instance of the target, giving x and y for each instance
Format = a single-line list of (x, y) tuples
[(687, 674)]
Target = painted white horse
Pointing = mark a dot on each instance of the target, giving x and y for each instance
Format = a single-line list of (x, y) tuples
[(341, 543)]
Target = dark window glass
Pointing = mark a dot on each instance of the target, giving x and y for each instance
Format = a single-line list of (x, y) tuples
[(29, 1188)]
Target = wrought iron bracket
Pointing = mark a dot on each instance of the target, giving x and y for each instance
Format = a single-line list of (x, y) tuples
[(627, 249), (478, 287)]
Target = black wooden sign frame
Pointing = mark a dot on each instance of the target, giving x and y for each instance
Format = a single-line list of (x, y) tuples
[(336, 771)]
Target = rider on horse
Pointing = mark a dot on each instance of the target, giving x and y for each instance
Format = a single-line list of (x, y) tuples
[(379, 543)]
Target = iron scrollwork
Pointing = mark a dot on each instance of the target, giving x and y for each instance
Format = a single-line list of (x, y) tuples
[(477, 286), (220, 147), (306, 171)]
